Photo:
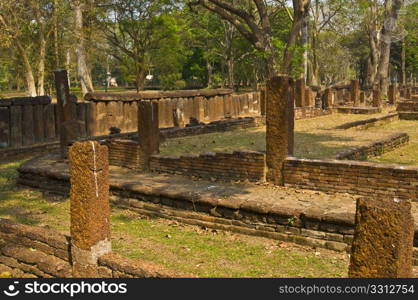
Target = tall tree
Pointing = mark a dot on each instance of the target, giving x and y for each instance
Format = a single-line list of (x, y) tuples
[(82, 66), (252, 20)]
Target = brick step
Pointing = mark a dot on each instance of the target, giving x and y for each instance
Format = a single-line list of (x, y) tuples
[(408, 115)]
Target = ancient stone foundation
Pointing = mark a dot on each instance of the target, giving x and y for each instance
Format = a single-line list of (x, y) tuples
[(383, 239)]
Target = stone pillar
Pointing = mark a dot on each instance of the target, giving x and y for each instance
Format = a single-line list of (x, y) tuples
[(363, 98), (263, 100), (376, 98), (355, 92), (70, 129), (309, 100), (148, 131), (90, 210), (408, 93), (392, 94), (300, 92), (327, 99), (383, 239), (280, 126)]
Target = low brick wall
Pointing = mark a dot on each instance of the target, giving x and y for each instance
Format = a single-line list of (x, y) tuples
[(217, 126), (236, 166), (310, 112), (125, 153), (49, 257), (407, 105), (364, 124), (375, 148), (359, 110), (353, 177), (27, 251)]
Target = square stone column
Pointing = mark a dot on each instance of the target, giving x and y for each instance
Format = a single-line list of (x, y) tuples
[(300, 93), (280, 126), (376, 98), (327, 99), (148, 131), (70, 129), (392, 94), (355, 92), (383, 239), (90, 210)]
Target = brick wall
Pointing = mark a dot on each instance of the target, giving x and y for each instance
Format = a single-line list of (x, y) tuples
[(364, 124), (310, 112), (125, 153), (49, 257), (239, 165), (216, 126), (353, 177), (375, 148), (28, 251)]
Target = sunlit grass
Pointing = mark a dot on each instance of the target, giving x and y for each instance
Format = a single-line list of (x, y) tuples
[(184, 248)]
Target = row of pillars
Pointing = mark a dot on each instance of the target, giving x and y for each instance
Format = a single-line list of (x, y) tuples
[(71, 129), (383, 239), (384, 232)]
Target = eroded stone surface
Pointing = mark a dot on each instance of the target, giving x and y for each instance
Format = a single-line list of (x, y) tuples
[(383, 239)]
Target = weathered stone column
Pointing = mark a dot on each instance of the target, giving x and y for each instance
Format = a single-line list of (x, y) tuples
[(90, 211), (392, 93), (383, 239), (263, 100), (327, 99), (70, 129), (408, 93), (355, 92), (363, 98), (280, 126), (300, 92), (309, 99), (148, 131), (376, 98)]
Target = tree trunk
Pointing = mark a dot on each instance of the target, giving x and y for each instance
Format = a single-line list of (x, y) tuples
[(30, 80), (300, 13), (403, 62), (209, 68), (41, 65), (389, 26), (83, 71), (56, 50), (231, 80), (68, 65), (305, 41)]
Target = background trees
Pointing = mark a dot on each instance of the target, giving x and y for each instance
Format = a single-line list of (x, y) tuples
[(205, 43)]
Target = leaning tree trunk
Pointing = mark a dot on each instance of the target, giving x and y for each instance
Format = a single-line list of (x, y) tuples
[(83, 71), (385, 43), (30, 80), (41, 66), (300, 13)]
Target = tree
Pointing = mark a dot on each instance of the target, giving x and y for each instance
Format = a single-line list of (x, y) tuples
[(134, 29), (82, 66), (252, 20)]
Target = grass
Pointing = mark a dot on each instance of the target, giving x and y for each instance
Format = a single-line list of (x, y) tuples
[(314, 138), (192, 249)]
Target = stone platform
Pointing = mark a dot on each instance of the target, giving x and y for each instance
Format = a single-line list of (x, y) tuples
[(300, 216), (358, 110)]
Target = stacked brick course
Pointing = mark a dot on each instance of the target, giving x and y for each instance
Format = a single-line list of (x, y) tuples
[(353, 177), (239, 165), (375, 148)]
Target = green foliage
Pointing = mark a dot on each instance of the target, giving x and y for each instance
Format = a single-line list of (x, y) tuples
[(172, 81)]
